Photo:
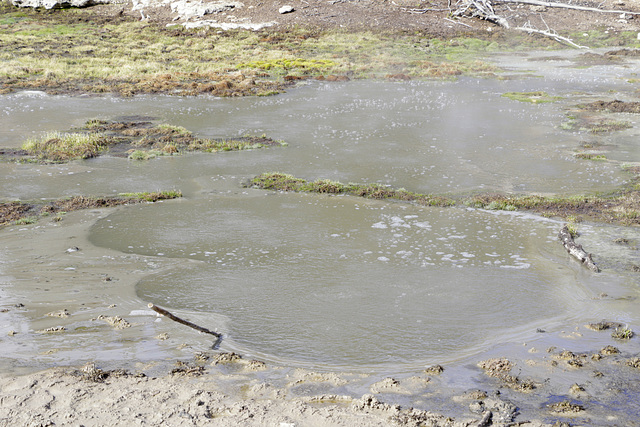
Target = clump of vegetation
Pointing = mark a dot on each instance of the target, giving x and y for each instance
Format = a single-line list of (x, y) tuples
[(26, 220), (622, 333), (286, 182), (609, 126), (287, 64), (620, 207), (538, 97), (153, 196), (141, 155), (121, 55), (137, 140), (21, 213), (569, 124), (63, 147), (573, 229), (234, 144), (172, 129), (590, 156)]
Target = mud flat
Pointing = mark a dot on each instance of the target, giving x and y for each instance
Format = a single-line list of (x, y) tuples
[(81, 346), (76, 306)]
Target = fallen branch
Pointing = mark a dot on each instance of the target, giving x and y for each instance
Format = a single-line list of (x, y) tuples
[(165, 313), (567, 6), (554, 36), (576, 250), (456, 22), (483, 9)]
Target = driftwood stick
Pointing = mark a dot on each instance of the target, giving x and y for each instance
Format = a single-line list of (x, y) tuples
[(567, 6), (576, 250), (185, 322)]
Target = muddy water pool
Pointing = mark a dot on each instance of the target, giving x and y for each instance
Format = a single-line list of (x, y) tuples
[(312, 280)]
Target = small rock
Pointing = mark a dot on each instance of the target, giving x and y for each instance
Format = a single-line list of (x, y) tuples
[(434, 370), (286, 9), (476, 407), (52, 330), (116, 322), (60, 313), (576, 389)]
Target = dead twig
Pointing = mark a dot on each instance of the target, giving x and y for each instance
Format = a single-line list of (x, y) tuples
[(483, 9), (566, 6), (165, 313), (457, 22)]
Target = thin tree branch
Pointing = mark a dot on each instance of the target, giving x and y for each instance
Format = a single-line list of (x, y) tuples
[(566, 6), (165, 313)]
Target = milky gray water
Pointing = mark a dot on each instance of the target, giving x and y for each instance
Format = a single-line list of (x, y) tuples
[(314, 280)]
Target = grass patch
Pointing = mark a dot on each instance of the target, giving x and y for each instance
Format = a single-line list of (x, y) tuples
[(539, 97), (136, 140), (622, 207), (289, 64), (590, 156), (20, 213), (609, 126), (63, 147), (285, 182), (61, 53), (153, 196), (141, 155), (245, 143), (26, 220), (601, 38)]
